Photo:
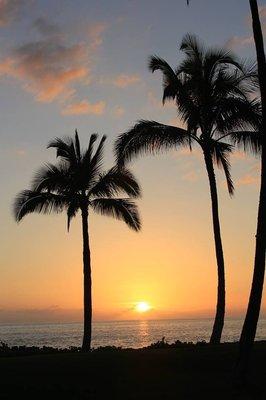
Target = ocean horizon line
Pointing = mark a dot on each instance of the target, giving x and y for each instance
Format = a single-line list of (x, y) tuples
[(117, 321)]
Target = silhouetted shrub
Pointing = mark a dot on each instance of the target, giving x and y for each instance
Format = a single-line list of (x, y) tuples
[(107, 348)]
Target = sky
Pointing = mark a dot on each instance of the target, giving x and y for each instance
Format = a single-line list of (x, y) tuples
[(67, 65)]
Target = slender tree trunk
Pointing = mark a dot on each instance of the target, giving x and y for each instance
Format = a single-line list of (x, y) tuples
[(86, 344), (220, 307), (250, 325)]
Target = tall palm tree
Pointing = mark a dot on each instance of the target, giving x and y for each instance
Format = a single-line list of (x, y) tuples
[(210, 89), (77, 183), (250, 324)]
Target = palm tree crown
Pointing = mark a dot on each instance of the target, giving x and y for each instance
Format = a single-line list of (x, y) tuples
[(211, 90), (77, 181)]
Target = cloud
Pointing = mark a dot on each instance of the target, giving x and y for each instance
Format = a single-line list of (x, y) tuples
[(242, 41), (239, 155), (47, 68), (118, 111), (262, 11), (248, 180), (9, 10), (153, 100), (190, 176), (186, 152), (84, 108), (50, 68), (252, 177), (20, 152), (237, 41), (95, 34), (49, 314), (124, 80), (45, 28)]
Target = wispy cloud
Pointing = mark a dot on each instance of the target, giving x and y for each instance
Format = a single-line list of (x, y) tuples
[(239, 155), (252, 177), (84, 107), (118, 112), (50, 68), (20, 152), (238, 41), (194, 153), (46, 68), (124, 80), (248, 180), (242, 41), (190, 176), (95, 34), (10, 10), (45, 27), (49, 314)]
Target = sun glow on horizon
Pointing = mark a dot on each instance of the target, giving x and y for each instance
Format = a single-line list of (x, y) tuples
[(142, 307)]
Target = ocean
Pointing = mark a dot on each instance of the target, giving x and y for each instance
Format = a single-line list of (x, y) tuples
[(132, 334)]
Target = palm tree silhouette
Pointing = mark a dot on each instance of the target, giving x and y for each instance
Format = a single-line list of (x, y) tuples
[(210, 89), (77, 183), (253, 311)]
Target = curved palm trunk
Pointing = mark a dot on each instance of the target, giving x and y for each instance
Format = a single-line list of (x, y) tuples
[(86, 344), (220, 307), (250, 325)]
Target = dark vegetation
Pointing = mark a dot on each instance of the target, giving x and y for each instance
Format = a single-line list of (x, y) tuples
[(10, 351), (160, 371)]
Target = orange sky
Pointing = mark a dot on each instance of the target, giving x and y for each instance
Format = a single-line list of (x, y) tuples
[(170, 263), (85, 67)]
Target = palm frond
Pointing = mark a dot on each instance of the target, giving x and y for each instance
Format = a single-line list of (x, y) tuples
[(29, 201), (88, 153), (171, 83), (72, 210), (174, 88), (191, 45), (52, 177), (77, 146), (237, 113), (228, 82), (247, 140), (114, 182), (65, 149), (216, 58), (220, 153), (98, 155), (121, 209), (91, 165), (149, 137)]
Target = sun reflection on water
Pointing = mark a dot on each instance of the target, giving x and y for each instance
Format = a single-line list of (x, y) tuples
[(143, 332)]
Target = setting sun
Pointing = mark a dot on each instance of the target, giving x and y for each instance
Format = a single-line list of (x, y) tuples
[(142, 306)]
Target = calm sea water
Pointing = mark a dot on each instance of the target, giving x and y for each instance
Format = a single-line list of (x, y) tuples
[(121, 333)]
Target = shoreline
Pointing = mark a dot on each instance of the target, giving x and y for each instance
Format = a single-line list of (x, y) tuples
[(24, 350)]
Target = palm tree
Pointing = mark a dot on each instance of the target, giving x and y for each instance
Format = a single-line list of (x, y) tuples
[(210, 89), (253, 311), (77, 183), (256, 144)]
